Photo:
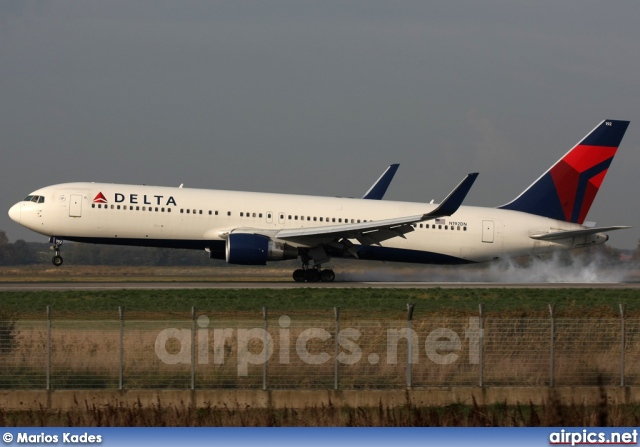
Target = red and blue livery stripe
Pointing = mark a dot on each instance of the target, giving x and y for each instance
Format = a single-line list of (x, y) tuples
[(567, 190)]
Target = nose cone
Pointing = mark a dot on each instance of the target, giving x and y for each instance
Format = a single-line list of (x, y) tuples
[(14, 212)]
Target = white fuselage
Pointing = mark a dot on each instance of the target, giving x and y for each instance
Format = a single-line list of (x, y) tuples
[(201, 219)]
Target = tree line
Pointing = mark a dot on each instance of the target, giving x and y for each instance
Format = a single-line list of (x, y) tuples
[(29, 253)]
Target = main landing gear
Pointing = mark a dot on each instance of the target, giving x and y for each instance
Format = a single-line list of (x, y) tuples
[(314, 274), (57, 259)]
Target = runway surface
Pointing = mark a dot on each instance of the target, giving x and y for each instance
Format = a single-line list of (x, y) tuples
[(63, 286)]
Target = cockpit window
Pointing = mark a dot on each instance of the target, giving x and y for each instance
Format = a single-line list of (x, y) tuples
[(35, 199)]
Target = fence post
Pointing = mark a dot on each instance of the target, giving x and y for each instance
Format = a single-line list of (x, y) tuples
[(410, 308), (481, 346), (193, 348), (121, 369), (336, 313), (551, 353), (622, 342), (265, 349), (48, 384)]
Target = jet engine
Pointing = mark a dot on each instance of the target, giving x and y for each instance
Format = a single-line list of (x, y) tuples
[(256, 249)]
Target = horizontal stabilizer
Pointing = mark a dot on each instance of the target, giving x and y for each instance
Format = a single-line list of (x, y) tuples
[(557, 235)]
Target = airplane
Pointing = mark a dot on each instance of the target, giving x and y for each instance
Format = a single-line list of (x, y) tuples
[(251, 228)]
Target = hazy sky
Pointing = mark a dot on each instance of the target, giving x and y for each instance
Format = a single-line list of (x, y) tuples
[(316, 97)]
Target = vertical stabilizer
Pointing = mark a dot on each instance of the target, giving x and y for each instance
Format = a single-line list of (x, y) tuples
[(566, 191)]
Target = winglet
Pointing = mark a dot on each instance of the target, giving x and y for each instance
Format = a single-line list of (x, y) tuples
[(379, 188), (455, 198)]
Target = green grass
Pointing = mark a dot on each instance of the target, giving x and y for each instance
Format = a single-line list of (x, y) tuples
[(306, 302)]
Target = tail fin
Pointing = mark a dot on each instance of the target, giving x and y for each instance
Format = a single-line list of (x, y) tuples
[(566, 191)]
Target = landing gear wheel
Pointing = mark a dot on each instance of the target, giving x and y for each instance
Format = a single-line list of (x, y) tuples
[(312, 275), (299, 275), (57, 259), (327, 275)]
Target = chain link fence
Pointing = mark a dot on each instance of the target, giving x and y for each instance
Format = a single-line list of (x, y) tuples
[(282, 352)]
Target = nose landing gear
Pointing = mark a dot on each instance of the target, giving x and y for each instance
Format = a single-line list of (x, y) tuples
[(57, 259)]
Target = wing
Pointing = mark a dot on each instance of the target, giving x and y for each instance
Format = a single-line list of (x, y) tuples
[(379, 188), (374, 232)]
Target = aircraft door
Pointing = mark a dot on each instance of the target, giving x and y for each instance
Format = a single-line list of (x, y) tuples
[(75, 205), (269, 217), (280, 217), (487, 231)]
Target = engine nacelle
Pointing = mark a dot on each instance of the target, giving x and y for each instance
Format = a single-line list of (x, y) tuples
[(256, 249)]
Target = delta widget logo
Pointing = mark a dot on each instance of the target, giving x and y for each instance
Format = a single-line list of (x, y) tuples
[(100, 198)]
